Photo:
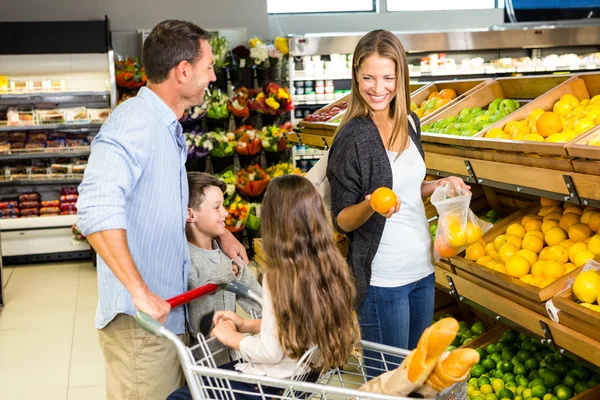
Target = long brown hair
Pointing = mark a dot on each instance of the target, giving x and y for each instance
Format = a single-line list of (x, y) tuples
[(387, 45), (310, 283)]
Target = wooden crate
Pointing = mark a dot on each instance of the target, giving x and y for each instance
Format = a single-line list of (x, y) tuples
[(522, 89), (575, 86), (492, 336), (580, 148), (509, 287), (463, 88), (577, 317)]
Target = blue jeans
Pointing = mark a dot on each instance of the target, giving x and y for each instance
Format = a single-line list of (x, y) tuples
[(395, 316)]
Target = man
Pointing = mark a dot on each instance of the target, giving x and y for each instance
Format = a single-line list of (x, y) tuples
[(132, 209)]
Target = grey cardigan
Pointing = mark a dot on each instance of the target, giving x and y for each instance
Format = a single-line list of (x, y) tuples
[(357, 165)]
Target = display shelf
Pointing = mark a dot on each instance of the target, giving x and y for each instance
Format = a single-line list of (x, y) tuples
[(70, 127), (12, 99), (18, 224), (38, 181), (46, 153), (325, 77), (312, 102)]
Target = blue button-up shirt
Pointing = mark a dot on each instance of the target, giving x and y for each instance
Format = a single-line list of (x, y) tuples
[(136, 180)]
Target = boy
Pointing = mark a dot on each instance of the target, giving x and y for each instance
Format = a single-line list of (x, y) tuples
[(205, 222)]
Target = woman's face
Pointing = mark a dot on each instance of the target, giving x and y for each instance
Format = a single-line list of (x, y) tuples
[(377, 82)]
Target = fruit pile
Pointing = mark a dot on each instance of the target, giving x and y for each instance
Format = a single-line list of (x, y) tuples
[(466, 332), (435, 101), (586, 289), (542, 248), (471, 121), (491, 216), (568, 119), (521, 368), (326, 114)]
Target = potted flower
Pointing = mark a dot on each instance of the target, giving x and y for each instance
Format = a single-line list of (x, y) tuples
[(275, 63), (196, 158), (220, 49), (275, 144), (239, 105), (221, 146), (252, 181), (249, 145), (237, 213), (259, 55), (242, 74), (194, 114), (217, 112), (274, 100), (130, 74)]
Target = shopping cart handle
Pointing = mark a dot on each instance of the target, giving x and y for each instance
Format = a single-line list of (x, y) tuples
[(148, 324), (192, 295), (241, 290)]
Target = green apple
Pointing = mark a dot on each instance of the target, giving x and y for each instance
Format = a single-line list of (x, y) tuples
[(495, 105), (465, 111), (476, 111)]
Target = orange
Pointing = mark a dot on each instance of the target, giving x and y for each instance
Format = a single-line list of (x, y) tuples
[(443, 249), (558, 253), (549, 224), (537, 268), (533, 243), (594, 244), (553, 215), (579, 232), (485, 260), (507, 251), (553, 270), (569, 98), (500, 268), (533, 225), (576, 249), (534, 115), (543, 211), (447, 94), (517, 266), (583, 257), (526, 278), (569, 267), (489, 248), (514, 240), (508, 128), (419, 112), (585, 217), (529, 255), (535, 233), (594, 222), (516, 229), (545, 282), (549, 202), (548, 123), (544, 253), (555, 235), (555, 209), (534, 137), (383, 199), (475, 251), (455, 235), (499, 241), (573, 210), (473, 232), (432, 95), (562, 108), (441, 103), (569, 220)]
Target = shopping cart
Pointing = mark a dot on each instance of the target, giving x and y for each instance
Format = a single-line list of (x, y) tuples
[(206, 381)]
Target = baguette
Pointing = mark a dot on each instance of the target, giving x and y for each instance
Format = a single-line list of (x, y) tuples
[(452, 369)]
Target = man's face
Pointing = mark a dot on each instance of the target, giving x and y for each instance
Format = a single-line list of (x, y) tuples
[(203, 74)]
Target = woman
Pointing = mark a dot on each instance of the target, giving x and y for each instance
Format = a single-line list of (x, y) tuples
[(390, 254)]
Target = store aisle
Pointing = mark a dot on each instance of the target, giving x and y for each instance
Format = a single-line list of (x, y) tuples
[(48, 344)]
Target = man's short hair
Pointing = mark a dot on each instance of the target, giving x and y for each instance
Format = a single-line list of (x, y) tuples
[(198, 182), (169, 43)]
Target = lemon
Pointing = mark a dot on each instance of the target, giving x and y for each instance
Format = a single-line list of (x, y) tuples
[(553, 269), (573, 209), (558, 253), (538, 268), (555, 235), (545, 282), (516, 229), (587, 286), (535, 114), (547, 224), (569, 220), (562, 108), (585, 217), (566, 244), (594, 222), (526, 278), (507, 251), (485, 260), (583, 257), (571, 99), (517, 266), (473, 232), (544, 253), (583, 125), (576, 249), (556, 138), (499, 241), (529, 255), (514, 239), (534, 137), (475, 251), (579, 232), (570, 267), (594, 244), (500, 268), (495, 133)]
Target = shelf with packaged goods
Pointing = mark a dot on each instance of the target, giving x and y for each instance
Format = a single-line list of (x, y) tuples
[(66, 127), (58, 221), (12, 99), (46, 153), (62, 180)]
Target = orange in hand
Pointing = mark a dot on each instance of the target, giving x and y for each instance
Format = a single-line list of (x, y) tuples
[(383, 199)]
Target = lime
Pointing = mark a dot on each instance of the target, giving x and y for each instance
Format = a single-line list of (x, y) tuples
[(594, 381), (539, 391), (491, 349), (477, 371), (499, 347), (527, 393), (492, 373), (450, 348), (484, 380), (548, 396), (514, 361), (499, 374), (551, 379), (496, 357), (462, 325), (533, 375), (511, 386), (508, 377), (560, 358), (522, 381), (581, 386), (506, 394), (570, 381), (473, 381), (491, 396), (486, 389), (535, 382), (523, 356), (519, 369), (518, 397), (508, 353), (522, 337), (478, 328), (561, 368), (538, 356), (468, 335), (498, 385), (468, 340), (509, 337), (506, 366), (532, 364), (563, 392), (456, 341), (482, 353), (583, 373)]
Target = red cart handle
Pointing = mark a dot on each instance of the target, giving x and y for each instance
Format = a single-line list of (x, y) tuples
[(192, 295)]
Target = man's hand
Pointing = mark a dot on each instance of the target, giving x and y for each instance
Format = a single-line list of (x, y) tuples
[(232, 247), (153, 305)]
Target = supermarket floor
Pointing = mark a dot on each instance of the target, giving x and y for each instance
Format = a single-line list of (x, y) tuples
[(48, 344)]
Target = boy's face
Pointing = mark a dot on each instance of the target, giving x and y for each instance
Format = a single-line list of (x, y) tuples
[(210, 217)]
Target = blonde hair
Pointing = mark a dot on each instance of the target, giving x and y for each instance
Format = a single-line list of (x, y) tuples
[(387, 45), (310, 283)]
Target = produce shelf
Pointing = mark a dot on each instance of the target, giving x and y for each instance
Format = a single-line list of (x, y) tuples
[(69, 127), (46, 181)]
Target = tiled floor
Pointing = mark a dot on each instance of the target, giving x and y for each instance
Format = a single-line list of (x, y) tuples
[(48, 344)]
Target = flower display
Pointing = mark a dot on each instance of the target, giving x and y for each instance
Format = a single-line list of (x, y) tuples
[(241, 54), (229, 179), (238, 104), (237, 210), (220, 49), (273, 100), (280, 169), (273, 139), (219, 143), (248, 141), (259, 53), (217, 105), (282, 45), (195, 144), (252, 181), (130, 73)]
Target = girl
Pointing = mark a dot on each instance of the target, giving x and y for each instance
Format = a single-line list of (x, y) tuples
[(376, 146), (308, 292)]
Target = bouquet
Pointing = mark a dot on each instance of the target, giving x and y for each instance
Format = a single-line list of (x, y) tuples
[(273, 100), (130, 73), (77, 235), (240, 55), (259, 53), (219, 143), (217, 105), (280, 169), (281, 44), (194, 141), (273, 139), (194, 113), (220, 49), (229, 179), (253, 219), (237, 210), (252, 181), (248, 141), (238, 104), (275, 56)]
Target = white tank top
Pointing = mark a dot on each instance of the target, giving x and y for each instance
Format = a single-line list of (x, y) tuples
[(404, 252)]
